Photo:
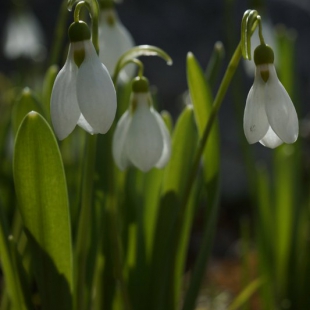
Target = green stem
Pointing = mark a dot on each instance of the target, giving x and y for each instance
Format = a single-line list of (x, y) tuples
[(83, 242), (93, 7), (260, 30)]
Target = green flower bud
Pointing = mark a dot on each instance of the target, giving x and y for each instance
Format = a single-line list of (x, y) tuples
[(263, 54), (78, 31), (140, 85)]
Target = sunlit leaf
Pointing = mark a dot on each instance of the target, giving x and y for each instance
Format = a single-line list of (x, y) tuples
[(43, 203)]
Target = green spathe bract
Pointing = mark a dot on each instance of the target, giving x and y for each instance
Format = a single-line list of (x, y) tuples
[(263, 54), (43, 203), (78, 31)]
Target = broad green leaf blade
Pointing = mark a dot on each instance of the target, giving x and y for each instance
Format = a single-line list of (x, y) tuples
[(26, 103), (18, 294), (43, 203), (201, 97)]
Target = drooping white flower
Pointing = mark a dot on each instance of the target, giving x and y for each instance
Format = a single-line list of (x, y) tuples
[(114, 41), (141, 137), (269, 115), (23, 36), (83, 93)]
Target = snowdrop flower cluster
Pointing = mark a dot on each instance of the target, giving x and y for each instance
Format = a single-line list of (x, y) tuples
[(269, 115), (83, 92), (141, 137), (114, 40)]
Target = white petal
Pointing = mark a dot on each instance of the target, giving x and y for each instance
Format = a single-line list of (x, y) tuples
[(144, 144), (119, 139), (166, 153), (114, 40), (255, 122), (82, 122), (280, 110), (65, 110), (271, 140), (95, 91)]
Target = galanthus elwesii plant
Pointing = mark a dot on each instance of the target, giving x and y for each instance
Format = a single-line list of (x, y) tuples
[(141, 137), (77, 233), (83, 92), (269, 115), (114, 40)]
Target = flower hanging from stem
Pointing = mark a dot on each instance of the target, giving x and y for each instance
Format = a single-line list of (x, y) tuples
[(83, 93)]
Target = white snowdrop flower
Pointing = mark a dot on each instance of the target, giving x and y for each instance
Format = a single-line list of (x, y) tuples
[(269, 115), (269, 34), (114, 40), (141, 137), (83, 93), (23, 37)]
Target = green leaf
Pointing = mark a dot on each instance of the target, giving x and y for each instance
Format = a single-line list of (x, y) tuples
[(202, 100), (244, 296), (164, 273), (17, 290), (26, 103), (43, 203)]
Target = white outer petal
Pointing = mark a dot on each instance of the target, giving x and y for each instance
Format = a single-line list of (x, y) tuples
[(255, 122), (280, 110), (95, 91), (119, 139), (271, 140), (144, 144), (114, 40), (166, 153), (65, 110)]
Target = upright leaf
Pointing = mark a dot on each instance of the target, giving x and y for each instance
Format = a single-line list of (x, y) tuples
[(43, 202)]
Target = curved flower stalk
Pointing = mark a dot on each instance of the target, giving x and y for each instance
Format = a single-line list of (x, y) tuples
[(141, 137), (83, 93), (269, 115), (249, 66), (23, 37), (114, 41)]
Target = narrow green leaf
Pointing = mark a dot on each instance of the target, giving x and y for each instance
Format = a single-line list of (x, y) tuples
[(19, 294), (215, 62), (244, 296), (43, 203), (285, 179), (201, 97)]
